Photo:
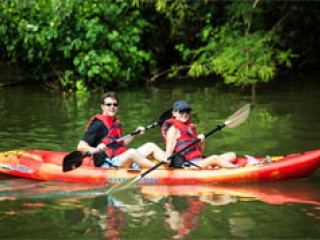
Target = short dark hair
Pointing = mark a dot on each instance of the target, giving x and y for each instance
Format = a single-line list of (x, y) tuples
[(109, 95)]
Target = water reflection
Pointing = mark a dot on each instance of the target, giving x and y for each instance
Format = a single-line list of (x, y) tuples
[(184, 206), (241, 226), (176, 212), (299, 191), (19, 188), (294, 191), (183, 216), (106, 217)]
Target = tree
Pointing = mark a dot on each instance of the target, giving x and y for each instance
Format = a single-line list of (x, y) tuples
[(75, 44), (232, 41)]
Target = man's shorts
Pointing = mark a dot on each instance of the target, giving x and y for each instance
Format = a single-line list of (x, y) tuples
[(111, 162)]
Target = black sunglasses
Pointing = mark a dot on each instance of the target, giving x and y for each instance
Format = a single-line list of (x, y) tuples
[(187, 111), (111, 104)]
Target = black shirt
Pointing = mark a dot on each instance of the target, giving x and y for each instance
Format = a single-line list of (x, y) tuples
[(93, 136), (95, 133)]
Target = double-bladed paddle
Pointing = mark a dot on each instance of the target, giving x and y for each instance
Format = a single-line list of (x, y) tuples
[(233, 121), (74, 159)]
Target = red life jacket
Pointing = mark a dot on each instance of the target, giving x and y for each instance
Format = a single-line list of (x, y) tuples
[(187, 135), (114, 132)]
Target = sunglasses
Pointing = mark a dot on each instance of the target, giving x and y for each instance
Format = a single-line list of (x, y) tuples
[(111, 104), (187, 111)]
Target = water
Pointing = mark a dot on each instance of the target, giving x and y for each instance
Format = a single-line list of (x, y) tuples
[(284, 120)]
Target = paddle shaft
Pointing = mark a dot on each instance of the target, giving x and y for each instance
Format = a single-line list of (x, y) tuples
[(219, 127), (96, 150), (165, 115), (151, 125)]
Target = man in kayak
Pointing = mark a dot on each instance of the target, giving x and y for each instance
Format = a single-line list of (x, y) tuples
[(179, 131), (105, 128)]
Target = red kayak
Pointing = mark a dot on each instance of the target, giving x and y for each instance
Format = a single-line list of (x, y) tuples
[(47, 166)]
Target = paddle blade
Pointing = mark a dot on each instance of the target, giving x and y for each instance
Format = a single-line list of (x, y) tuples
[(238, 117), (124, 185), (72, 161), (130, 181), (164, 116)]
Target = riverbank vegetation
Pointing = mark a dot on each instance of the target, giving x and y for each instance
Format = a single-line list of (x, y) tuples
[(85, 45)]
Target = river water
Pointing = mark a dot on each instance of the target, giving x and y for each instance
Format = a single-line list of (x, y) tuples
[(284, 119)]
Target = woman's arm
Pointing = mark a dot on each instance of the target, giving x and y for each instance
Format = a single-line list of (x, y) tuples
[(171, 140)]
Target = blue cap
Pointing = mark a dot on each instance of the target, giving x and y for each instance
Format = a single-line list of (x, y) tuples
[(181, 105)]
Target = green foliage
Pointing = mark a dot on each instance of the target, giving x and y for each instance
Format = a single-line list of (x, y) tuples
[(234, 42), (241, 51), (84, 44)]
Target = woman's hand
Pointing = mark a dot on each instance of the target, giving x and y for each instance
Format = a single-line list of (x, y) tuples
[(202, 137)]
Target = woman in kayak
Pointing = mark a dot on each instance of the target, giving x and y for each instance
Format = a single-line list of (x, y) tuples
[(179, 131), (105, 128)]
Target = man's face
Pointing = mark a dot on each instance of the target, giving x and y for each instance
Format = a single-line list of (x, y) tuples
[(110, 107)]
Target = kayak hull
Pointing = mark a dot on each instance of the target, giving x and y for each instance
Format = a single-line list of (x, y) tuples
[(47, 166)]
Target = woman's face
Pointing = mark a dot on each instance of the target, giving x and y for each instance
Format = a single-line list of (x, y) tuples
[(181, 115)]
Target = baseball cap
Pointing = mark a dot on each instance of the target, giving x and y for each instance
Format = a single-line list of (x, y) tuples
[(181, 105)]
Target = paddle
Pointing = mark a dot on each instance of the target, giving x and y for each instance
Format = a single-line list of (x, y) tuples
[(233, 121), (74, 159)]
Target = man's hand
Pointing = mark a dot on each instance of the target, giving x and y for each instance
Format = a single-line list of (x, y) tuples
[(141, 130), (101, 147)]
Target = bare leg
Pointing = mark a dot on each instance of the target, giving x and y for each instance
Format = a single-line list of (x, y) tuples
[(153, 150), (229, 157), (132, 155), (224, 160)]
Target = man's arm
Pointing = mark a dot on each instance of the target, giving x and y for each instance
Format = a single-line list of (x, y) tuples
[(95, 132), (84, 147)]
